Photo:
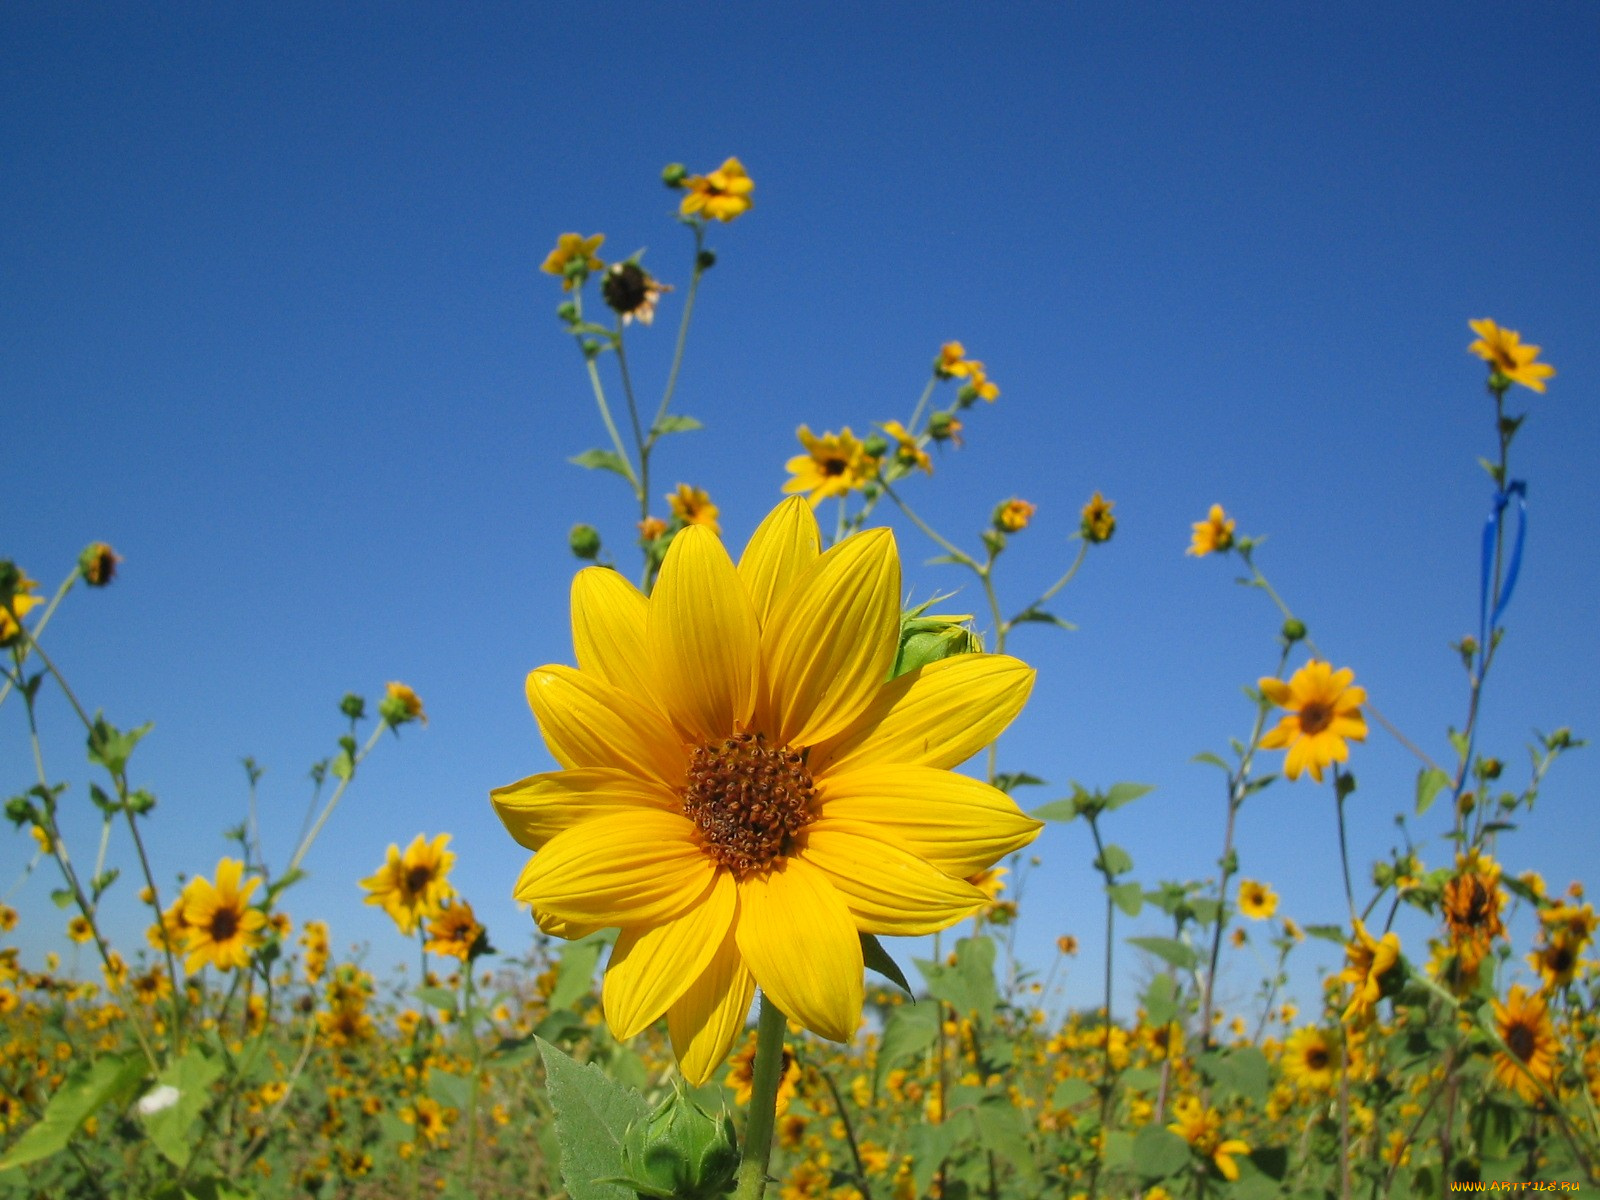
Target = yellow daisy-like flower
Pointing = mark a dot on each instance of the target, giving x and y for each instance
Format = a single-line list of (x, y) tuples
[(400, 704), (693, 506), (1507, 354), (219, 926), (832, 465), (979, 384), (720, 196), (1013, 516), (413, 886), (744, 795), (1096, 522), (1523, 1023), (1311, 1059), (79, 929), (952, 362), (1256, 900), (908, 452), (1201, 1127), (741, 1076), (1213, 535), (1324, 713), (24, 599), (573, 248), (454, 931), (1366, 963), (1471, 903)]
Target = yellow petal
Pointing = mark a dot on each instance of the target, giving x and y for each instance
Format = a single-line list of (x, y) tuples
[(562, 928), (831, 642), (703, 638), (887, 889), (798, 939), (537, 808), (608, 618), (651, 968), (588, 723), (960, 825), (779, 551), (939, 715), (630, 868), (711, 1014)]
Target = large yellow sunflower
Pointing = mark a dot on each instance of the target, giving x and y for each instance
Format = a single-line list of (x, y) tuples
[(744, 794), (219, 926), (1523, 1023), (1324, 712)]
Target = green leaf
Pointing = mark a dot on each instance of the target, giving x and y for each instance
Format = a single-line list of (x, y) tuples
[(1113, 860), (1056, 810), (1430, 781), (1158, 1152), (603, 460), (1214, 760), (968, 987), (1242, 1070), (930, 1146), (212, 1187), (909, 1031), (437, 997), (592, 1114), (1119, 794), (1129, 897), (1000, 1128), (62, 897), (105, 1081), (877, 959), (1160, 1000), (576, 974), (1071, 1091), (1168, 950), (1010, 781), (675, 423), (170, 1128), (1028, 615), (1328, 933)]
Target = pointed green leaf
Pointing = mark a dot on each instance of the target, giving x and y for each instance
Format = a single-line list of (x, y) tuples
[(592, 1114), (105, 1081), (877, 959)]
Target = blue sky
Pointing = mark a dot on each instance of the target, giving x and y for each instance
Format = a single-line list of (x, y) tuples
[(271, 323)]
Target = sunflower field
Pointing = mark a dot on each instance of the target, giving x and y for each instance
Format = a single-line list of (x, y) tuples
[(768, 769)]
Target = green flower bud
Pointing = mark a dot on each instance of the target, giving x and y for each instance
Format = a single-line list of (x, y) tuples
[(705, 260), (98, 564), (680, 1152), (585, 542), (673, 175), (875, 446), (939, 426), (995, 540), (1293, 630), (353, 706), (926, 639), (567, 311)]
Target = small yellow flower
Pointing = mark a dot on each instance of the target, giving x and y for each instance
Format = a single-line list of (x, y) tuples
[(952, 362), (79, 929), (978, 384), (24, 599), (720, 196), (908, 451), (1213, 535), (1366, 963), (741, 1076), (1311, 1059), (1324, 713), (1201, 1127), (1256, 900), (1508, 356), (1523, 1023), (98, 564), (1013, 516), (8, 918), (220, 928), (693, 506), (1067, 944), (573, 248), (413, 886), (400, 704), (651, 528), (832, 465), (1096, 522), (454, 931)]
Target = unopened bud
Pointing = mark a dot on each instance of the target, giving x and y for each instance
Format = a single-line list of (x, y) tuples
[(705, 260), (673, 175), (680, 1152), (98, 564), (1293, 630), (584, 541), (875, 446)]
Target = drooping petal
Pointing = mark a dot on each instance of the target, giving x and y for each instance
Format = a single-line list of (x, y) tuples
[(587, 722), (779, 551), (629, 868), (703, 638), (608, 619), (798, 939), (562, 928), (651, 968), (960, 825), (537, 808), (831, 642), (939, 715), (711, 1014), (887, 889)]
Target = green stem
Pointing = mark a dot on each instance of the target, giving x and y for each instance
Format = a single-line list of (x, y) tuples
[(950, 548), (38, 628), (611, 426), (333, 801), (683, 328), (1344, 852), (765, 1075), (922, 403)]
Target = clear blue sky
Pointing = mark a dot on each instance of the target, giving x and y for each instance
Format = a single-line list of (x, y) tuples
[(271, 323)]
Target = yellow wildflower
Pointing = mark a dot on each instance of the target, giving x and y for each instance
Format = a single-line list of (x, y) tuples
[(1213, 535), (1324, 712), (1366, 963), (1507, 355), (693, 506), (1013, 516), (1201, 1127), (413, 886), (720, 196), (572, 249), (24, 599), (1523, 1023), (454, 931), (1256, 900), (908, 450), (832, 465), (1096, 522), (220, 928)]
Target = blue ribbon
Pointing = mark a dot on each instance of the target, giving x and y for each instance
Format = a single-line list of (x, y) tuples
[(1488, 620)]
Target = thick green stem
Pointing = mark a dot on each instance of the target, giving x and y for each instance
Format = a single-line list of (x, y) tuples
[(765, 1075)]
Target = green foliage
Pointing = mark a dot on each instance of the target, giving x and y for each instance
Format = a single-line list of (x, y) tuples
[(592, 1117)]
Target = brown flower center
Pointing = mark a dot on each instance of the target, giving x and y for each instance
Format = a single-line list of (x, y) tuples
[(833, 466), (1317, 1058), (417, 879), (1315, 716), (224, 924), (1521, 1042), (748, 800)]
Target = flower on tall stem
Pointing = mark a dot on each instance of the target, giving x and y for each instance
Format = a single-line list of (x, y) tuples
[(1096, 522), (1256, 900), (1508, 356), (22, 599), (632, 292), (721, 195), (1201, 1127), (220, 928), (1214, 535), (1367, 962), (744, 795), (413, 886), (1324, 713), (833, 464), (573, 259), (1523, 1023), (908, 451), (692, 506)]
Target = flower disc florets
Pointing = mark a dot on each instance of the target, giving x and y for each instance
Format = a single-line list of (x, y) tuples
[(748, 800)]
